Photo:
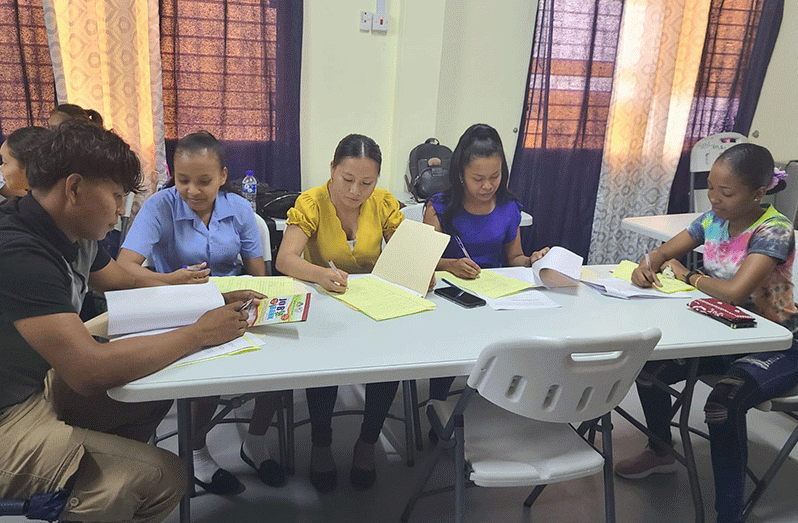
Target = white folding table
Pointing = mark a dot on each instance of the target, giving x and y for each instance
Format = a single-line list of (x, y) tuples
[(338, 345)]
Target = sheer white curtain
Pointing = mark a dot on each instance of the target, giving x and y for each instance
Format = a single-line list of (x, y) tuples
[(659, 53), (106, 56)]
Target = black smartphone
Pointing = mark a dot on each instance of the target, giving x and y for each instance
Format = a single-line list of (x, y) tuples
[(460, 297)]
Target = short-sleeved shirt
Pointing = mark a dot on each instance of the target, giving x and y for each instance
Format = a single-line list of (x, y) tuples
[(43, 273), (172, 235), (771, 235), (315, 214), (483, 235)]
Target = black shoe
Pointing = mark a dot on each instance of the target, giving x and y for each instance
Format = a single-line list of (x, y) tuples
[(324, 481), (362, 479), (222, 484), (269, 472)]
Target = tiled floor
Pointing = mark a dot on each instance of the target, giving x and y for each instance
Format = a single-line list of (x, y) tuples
[(664, 498)]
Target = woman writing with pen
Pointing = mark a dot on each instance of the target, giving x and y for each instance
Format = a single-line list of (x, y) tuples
[(480, 215), (340, 227), (478, 211)]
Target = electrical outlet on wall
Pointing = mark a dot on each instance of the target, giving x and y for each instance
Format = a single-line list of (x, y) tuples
[(365, 21), (379, 22)]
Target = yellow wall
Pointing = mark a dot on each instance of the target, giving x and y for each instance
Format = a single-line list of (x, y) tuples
[(776, 116), (446, 64)]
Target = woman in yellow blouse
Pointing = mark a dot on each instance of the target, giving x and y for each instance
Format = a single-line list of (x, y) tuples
[(343, 221)]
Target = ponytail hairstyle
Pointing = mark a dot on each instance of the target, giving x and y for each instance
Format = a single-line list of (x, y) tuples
[(199, 142), (74, 111), (357, 146), (478, 141)]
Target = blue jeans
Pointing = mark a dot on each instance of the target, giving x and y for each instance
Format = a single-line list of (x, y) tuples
[(746, 382)]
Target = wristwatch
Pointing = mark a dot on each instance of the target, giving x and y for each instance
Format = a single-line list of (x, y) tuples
[(691, 274)]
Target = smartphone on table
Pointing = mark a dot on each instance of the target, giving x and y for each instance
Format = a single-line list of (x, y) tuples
[(460, 297)]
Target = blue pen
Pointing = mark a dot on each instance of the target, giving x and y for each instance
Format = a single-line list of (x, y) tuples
[(462, 247)]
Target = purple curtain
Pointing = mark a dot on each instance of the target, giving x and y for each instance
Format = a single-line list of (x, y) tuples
[(557, 160), (233, 68), (730, 79), (27, 86)]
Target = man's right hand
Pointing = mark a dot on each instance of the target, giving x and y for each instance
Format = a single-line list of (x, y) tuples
[(222, 324)]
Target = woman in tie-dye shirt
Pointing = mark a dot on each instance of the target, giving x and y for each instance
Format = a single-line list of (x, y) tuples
[(748, 255)]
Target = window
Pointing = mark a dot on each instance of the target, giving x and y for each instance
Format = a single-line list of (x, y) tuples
[(27, 86), (219, 68)]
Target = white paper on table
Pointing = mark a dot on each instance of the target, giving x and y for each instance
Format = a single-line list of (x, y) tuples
[(242, 343), (558, 268), (625, 290), (523, 274), (529, 299), (149, 308)]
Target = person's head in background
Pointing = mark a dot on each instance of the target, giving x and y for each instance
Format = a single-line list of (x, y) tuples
[(16, 152), (80, 174), (354, 171), (478, 172), (738, 180), (200, 172), (65, 112)]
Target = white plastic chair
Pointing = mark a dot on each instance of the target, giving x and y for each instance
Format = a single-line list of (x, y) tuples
[(511, 425), (265, 239), (702, 156)]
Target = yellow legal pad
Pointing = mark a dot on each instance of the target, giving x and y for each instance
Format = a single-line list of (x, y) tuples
[(268, 285), (490, 284), (669, 285), (381, 300)]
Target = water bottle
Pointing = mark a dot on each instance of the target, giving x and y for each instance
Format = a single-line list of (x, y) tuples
[(249, 186)]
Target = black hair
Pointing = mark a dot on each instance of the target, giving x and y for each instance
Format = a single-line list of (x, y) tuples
[(76, 111), (357, 146), (22, 142), (204, 141), (78, 146), (478, 141), (751, 162)]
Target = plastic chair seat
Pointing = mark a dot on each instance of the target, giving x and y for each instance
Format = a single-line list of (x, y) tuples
[(533, 452)]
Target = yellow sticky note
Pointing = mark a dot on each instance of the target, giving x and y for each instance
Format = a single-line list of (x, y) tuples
[(489, 283), (669, 285)]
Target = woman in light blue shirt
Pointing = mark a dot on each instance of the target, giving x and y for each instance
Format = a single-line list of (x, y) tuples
[(195, 228)]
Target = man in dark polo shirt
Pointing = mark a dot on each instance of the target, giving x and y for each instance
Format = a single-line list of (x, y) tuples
[(57, 427)]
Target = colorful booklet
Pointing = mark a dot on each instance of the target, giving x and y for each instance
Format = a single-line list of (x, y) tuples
[(281, 309)]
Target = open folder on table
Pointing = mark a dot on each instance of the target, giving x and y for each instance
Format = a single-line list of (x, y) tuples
[(558, 268), (154, 310), (401, 276), (625, 269), (621, 286)]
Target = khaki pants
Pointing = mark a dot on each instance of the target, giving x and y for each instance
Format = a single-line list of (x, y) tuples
[(58, 439)]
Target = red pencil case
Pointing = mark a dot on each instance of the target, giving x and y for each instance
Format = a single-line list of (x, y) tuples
[(733, 316)]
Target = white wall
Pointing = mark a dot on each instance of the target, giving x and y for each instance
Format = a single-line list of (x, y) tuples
[(442, 66), (776, 117)]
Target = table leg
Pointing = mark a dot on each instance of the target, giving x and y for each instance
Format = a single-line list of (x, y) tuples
[(409, 435), (184, 450), (684, 432)]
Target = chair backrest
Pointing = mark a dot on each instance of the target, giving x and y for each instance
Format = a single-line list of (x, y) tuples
[(565, 380), (265, 238)]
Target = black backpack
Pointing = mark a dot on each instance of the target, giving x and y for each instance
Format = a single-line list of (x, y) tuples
[(428, 169)]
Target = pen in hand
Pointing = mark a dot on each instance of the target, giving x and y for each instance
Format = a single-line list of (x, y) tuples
[(648, 260), (337, 273), (462, 247)]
